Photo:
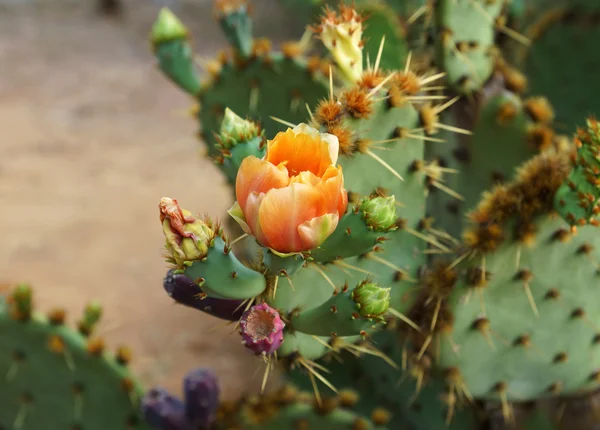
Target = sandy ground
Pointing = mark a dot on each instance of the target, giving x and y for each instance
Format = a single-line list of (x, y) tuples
[(91, 136)]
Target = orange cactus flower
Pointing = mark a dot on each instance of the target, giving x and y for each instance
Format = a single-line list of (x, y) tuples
[(292, 199)]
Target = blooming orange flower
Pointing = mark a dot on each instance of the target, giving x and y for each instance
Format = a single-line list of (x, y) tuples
[(292, 199)]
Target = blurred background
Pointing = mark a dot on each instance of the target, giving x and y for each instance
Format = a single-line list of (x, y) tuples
[(92, 136)]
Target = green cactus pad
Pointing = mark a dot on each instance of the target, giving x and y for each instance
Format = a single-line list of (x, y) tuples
[(345, 313), (351, 238), (55, 378), (221, 275), (270, 84), (236, 24), (174, 54), (519, 347), (381, 21), (465, 35), (287, 409), (418, 397), (559, 26), (311, 286), (523, 318), (506, 131)]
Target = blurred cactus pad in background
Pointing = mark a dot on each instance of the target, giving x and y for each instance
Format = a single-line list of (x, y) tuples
[(413, 239)]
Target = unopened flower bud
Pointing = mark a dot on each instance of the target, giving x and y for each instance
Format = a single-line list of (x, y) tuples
[(235, 129), (379, 213), (342, 36), (187, 238), (372, 300)]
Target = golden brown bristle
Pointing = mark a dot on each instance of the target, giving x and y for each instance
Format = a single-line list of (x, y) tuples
[(344, 135), (328, 112), (539, 109), (357, 103)]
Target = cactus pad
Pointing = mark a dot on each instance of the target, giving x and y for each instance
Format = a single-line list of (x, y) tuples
[(522, 325), (56, 378)]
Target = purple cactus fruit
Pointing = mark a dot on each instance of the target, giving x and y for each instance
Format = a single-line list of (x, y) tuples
[(163, 411), (201, 391), (261, 329), (184, 291)]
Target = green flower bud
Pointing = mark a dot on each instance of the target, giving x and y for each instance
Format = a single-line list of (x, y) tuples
[(167, 27), (372, 300), (235, 129), (187, 238), (379, 213)]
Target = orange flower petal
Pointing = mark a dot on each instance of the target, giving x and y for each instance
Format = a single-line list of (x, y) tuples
[(283, 210), (252, 217), (299, 153), (306, 178), (259, 176), (314, 232), (335, 197)]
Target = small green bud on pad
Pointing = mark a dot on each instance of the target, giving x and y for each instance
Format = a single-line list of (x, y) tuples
[(372, 300), (235, 129), (167, 27), (379, 213)]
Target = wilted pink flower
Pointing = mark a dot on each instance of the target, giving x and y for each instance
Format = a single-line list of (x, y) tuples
[(261, 329)]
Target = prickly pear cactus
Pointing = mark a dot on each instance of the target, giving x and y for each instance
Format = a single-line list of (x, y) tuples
[(362, 248), (54, 377)]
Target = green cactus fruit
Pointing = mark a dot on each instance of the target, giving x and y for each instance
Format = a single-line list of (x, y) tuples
[(577, 200), (346, 313), (236, 24), (465, 31), (170, 44), (54, 377), (238, 139)]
